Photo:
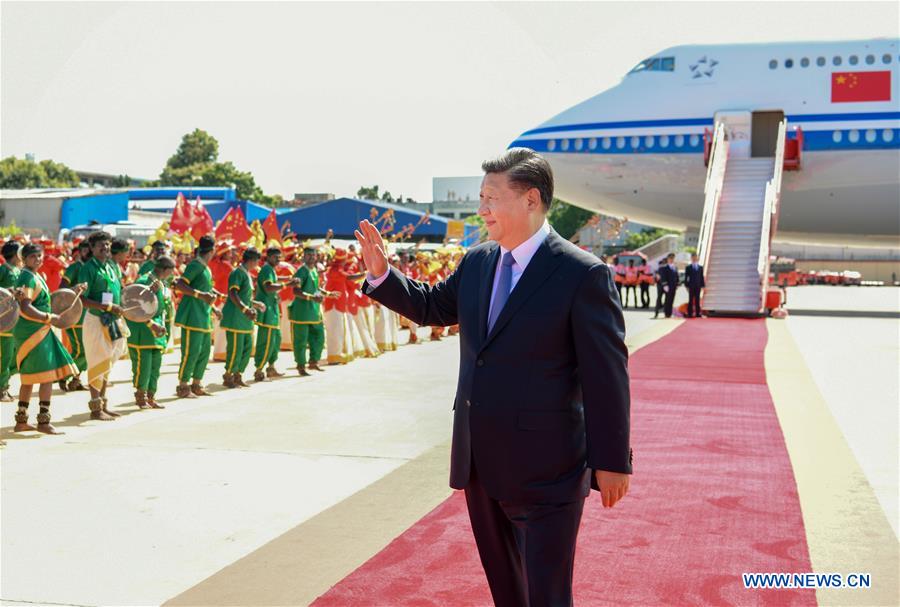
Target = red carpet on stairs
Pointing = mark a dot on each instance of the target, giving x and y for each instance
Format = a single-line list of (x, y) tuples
[(712, 496)]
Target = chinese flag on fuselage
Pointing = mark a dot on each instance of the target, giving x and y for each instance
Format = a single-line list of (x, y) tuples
[(860, 86), (270, 227), (203, 223), (234, 226), (182, 215)]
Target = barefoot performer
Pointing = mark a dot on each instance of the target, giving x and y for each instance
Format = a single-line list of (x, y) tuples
[(148, 339), (194, 316), (238, 315), (268, 334), (41, 357), (104, 332), (307, 327)]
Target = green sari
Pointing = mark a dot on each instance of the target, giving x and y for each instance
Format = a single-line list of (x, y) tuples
[(40, 355)]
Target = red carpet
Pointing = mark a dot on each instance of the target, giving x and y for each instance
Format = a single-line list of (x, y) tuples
[(713, 496)]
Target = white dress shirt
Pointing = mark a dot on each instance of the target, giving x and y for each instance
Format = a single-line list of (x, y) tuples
[(522, 255)]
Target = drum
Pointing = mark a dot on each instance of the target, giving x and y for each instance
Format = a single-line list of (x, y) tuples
[(9, 311), (139, 303), (67, 305)]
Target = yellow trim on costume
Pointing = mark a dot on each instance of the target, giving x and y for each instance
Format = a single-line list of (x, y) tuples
[(233, 353), (31, 343), (234, 288), (266, 351), (6, 334), (194, 328), (48, 377), (259, 324), (26, 317), (138, 347), (245, 332), (306, 322), (97, 371), (137, 373), (185, 348)]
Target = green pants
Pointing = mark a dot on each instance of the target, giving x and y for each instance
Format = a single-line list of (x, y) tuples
[(237, 351), (195, 348), (311, 336), (8, 365), (268, 343), (73, 334), (145, 364)]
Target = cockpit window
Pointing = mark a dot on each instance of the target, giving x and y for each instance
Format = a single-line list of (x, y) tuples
[(655, 64)]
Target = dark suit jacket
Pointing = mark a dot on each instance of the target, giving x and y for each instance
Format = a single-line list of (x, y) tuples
[(668, 276), (544, 398), (694, 279)]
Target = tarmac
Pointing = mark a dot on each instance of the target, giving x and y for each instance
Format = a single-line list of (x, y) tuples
[(263, 495)]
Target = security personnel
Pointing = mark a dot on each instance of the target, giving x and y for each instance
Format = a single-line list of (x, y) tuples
[(238, 315), (305, 314), (693, 280), (667, 284), (148, 339), (194, 316)]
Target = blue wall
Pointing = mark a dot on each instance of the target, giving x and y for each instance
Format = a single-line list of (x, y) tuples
[(344, 214), (103, 208)]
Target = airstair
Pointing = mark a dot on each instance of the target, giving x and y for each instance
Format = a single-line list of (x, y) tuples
[(739, 217)]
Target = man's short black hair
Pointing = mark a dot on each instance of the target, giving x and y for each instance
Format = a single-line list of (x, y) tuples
[(118, 245), (158, 244), (206, 244), (164, 262), (98, 237), (10, 249), (250, 254), (670, 256), (273, 250), (84, 244), (525, 169)]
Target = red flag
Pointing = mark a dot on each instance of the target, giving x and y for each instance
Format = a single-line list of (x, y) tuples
[(270, 227), (182, 215), (234, 226), (860, 86), (203, 223)]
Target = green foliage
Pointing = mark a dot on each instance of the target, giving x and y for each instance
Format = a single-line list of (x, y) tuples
[(636, 240), (372, 193), (21, 173), (196, 164), (11, 230), (566, 219)]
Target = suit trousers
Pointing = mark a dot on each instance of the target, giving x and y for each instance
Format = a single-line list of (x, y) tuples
[(693, 302), (527, 550)]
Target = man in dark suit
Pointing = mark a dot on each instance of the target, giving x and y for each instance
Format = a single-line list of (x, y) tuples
[(542, 403), (667, 283), (693, 280)]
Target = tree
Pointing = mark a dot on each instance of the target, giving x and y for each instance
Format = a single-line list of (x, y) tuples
[(365, 193), (566, 219), (22, 173), (636, 240), (196, 164), (386, 197), (198, 147)]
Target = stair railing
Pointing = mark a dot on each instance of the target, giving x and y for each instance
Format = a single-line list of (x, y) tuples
[(770, 212), (715, 180)]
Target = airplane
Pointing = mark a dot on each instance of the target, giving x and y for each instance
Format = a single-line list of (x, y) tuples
[(637, 149)]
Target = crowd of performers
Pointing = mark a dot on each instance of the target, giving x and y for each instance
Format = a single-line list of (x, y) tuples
[(230, 303)]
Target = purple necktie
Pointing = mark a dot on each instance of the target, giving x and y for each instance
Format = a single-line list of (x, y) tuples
[(503, 288)]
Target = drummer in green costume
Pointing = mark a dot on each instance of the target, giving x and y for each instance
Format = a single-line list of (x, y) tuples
[(157, 250), (305, 314), (9, 274), (268, 334), (238, 315), (148, 339), (104, 331), (41, 357), (194, 316), (74, 341)]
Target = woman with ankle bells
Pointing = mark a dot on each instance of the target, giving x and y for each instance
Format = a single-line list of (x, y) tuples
[(41, 357)]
